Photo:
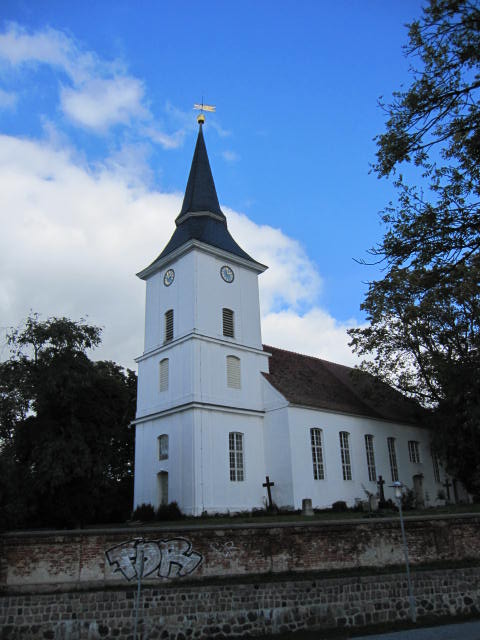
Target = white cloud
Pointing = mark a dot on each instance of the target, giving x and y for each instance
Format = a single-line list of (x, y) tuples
[(100, 93), (8, 100), (73, 237), (100, 103), (230, 156)]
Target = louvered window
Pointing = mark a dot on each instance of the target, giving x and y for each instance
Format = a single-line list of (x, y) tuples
[(235, 445), (228, 326), (233, 372), (169, 325), (414, 451), (164, 374), (317, 454), (392, 455), (163, 447), (345, 455), (372, 472)]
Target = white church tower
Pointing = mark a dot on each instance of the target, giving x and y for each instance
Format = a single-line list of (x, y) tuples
[(200, 410)]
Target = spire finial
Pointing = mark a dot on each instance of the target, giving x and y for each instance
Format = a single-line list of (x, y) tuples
[(203, 107)]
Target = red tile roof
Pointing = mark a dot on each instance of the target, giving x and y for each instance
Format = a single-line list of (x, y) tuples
[(312, 382)]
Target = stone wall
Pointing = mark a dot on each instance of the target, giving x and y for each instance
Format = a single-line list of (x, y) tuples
[(238, 610), (206, 581)]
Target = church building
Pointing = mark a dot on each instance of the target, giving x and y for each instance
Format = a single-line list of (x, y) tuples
[(218, 411)]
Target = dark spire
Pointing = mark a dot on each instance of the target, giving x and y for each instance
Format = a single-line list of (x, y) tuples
[(201, 218), (200, 194)]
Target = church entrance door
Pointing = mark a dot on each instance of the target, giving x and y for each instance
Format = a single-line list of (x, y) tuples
[(162, 478), (418, 489)]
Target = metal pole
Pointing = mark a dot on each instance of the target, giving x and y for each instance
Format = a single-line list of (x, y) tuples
[(140, 552), (413, 611)]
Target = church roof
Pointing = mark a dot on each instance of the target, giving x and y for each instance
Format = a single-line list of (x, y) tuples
[(201, 217), (320, 384)]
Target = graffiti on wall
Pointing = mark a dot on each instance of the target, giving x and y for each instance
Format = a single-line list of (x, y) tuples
[(225, 549), (165, 558)]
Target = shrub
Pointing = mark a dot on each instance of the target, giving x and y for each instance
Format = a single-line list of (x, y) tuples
[(144, 512), (169, 511), (340, 505)]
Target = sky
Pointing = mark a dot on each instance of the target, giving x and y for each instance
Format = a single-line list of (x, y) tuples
[(97, 132)]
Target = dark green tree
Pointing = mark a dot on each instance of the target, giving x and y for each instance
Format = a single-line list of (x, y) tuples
[(66, 449), (423, 336)]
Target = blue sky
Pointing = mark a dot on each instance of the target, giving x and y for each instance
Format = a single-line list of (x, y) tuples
[(96, 111)]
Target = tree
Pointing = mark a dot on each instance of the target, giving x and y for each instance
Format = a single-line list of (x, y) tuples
[(66, 449), (423, 336)]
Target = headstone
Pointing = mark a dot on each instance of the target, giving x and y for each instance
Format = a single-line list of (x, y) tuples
[(373, 501), (307, 507), (268, 484)]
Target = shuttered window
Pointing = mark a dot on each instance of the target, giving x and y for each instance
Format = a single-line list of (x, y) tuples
[(163, 447), (169, 325), (235, 446), (345, 455), (317, 454), (392, 455), (164, 374), (228, 326), (372, 472), (233, 372)]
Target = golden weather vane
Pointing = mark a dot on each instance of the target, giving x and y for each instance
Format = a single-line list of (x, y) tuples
[(203, 107)]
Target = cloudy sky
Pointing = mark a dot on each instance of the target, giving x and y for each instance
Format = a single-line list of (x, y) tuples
[(97, 134)]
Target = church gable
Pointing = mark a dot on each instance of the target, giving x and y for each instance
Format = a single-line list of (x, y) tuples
[(313, 382)]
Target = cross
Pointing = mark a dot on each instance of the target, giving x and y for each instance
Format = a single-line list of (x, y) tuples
[(269, 484), (447, 484), (380, 483)]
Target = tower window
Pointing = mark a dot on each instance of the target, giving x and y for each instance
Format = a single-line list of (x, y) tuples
[(164, 374), (413, 451), (436, 467), (235, 445), (163, 447), (233, 372), (345, 455), (392, 455), (372, 472), (317, 454), (169, 325), (228, 325)]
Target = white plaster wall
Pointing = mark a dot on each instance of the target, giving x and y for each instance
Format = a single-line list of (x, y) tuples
[(180, 463), (198, 462), (324, 492)]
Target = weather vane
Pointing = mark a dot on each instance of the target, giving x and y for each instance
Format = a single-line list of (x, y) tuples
[(203, 107)]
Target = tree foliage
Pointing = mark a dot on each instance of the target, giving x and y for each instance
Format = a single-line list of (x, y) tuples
[(424, 314), (66, 449)]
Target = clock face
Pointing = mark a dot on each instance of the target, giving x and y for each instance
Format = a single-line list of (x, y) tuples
[(227, 273), (169, 277)]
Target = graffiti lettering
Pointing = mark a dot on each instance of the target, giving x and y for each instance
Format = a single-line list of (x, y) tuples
[(225, 549), (172, 558)]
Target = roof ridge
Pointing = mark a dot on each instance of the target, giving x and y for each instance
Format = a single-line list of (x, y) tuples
[(306, 355)]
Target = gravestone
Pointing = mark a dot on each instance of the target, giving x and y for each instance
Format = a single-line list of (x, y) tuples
[(307, 507)]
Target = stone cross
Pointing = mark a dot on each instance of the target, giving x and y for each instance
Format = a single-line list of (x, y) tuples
[(269, 484), (380, 483), (447, 484)]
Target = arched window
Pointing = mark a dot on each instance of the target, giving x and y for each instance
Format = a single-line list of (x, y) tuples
[(233, 372), (372, 472), (169, 325), (414, 451), (163, 446), (164, 374), (345, 454), (317, 454), (228, 323), (235, 446)]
